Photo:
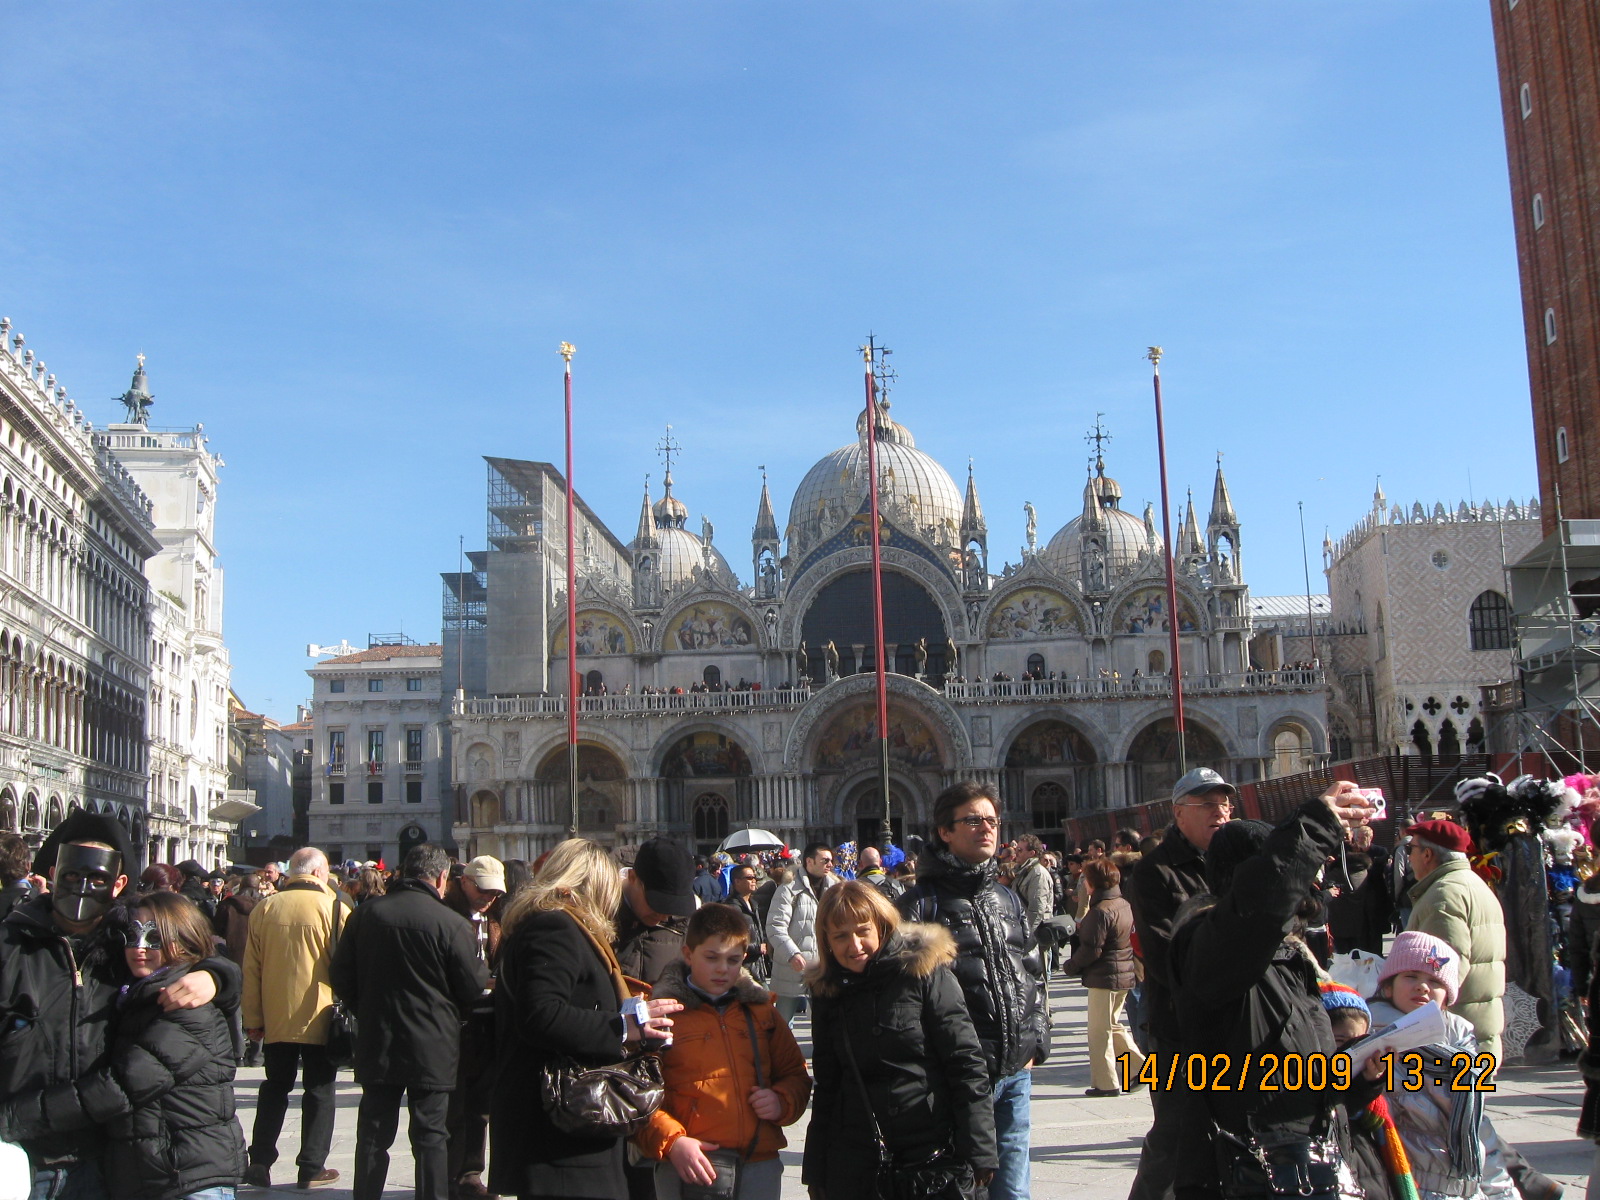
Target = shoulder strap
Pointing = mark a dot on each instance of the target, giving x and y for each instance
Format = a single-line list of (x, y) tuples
[(877, 1132), (761, 1075), (337, 924)]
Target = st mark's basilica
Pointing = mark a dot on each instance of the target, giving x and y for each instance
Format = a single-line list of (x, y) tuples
[(711, 704)]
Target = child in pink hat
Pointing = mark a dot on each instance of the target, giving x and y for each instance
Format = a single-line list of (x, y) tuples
[(1434, 1093)]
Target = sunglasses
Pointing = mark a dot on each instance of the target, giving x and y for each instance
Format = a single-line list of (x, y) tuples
[(139, 935)]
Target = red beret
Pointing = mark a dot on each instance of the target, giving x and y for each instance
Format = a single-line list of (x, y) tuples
[(1447, 835)]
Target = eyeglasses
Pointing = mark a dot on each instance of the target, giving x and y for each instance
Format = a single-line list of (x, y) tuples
[(978, 822), (1220, 806)]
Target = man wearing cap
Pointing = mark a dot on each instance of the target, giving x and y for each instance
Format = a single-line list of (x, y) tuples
[(1450, 902), (194, 887), (1202, 803), (60, 971), (408, 967), (478, 896), (657, 901)]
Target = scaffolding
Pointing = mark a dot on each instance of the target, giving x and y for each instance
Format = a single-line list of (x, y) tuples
[(1555, 598), (466, 595)]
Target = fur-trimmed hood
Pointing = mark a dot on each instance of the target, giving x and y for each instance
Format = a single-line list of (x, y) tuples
[(674, 985), (914, 949)]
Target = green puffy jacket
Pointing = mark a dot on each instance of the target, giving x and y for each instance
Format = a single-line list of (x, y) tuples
[(1454, 905)]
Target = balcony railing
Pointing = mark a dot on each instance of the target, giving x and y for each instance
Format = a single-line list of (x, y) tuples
[(983, 691), (336, 769), (539, 706), (1000, 691), (414, 767)]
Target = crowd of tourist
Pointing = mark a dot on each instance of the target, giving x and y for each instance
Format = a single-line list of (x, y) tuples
[(579, 1028)]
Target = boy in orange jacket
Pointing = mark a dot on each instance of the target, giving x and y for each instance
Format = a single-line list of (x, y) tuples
[(733, 1073)]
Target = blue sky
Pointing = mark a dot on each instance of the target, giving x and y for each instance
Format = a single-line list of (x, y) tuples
[(349, 237)]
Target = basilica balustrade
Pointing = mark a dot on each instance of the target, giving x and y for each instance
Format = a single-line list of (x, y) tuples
[(992, 691), (544, 706)]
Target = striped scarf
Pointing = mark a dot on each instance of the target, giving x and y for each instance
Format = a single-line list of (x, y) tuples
[(1376, 1118)]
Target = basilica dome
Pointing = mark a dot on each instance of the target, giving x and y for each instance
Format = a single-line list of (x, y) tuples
[(917, 492), (677, 551), (1122, 537)]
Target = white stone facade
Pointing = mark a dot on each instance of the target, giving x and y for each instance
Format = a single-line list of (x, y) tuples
[(1420, 623), (378, 777), (792, 747), (191, 815), (75, 533)]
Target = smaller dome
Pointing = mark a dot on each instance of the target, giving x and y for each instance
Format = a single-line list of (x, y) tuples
[(670, 512), (1121, 538)]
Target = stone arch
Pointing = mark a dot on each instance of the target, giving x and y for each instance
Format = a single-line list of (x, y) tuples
[(595, 604), (935, 581), (1007, 733), (854, 802), (485, 809), (478, 762), (539, 755), (1047, 747), (1152, 759), (817, 712), (10, 817), (1031, 581), (705, 724), (1292, 744), (32, 818), (55, 813), (1129, 604), (753, 630)]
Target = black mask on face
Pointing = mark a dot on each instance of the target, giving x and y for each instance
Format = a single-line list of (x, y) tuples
[(85, 875)]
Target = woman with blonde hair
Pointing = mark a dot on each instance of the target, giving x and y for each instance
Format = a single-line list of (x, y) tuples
[(894, 1055), (560, 993)]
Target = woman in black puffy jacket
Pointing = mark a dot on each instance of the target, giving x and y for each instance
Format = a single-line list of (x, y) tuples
[(892, 1045), (165, 1102)]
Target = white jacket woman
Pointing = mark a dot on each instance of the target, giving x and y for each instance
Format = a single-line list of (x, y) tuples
[(791, 931)]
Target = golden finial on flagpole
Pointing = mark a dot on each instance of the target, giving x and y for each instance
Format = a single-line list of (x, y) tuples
[(567, 351), (1154, 356)]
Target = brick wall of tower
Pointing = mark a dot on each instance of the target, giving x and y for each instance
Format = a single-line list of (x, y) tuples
[(1553, 47)]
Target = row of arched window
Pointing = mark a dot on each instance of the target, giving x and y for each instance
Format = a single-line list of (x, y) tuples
[(47, 699)]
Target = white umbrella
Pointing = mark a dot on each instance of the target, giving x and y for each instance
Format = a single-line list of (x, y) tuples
[(751, 839)]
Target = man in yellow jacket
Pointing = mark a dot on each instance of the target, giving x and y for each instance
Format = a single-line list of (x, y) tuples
[(287, 1005)]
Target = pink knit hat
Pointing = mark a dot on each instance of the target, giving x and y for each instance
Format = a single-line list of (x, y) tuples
[(1413, 951)]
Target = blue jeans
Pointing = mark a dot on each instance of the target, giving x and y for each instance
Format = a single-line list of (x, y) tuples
[(216, 1193), (73, 1181), (1012, 1097)]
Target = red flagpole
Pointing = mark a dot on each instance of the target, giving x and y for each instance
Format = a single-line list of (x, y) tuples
[(886, 832), (1172, 579), (567, 351)]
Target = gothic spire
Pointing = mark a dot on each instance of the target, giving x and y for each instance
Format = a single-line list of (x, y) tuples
[(1221, 502), (1189, 540), (647, 522), (972, 510), (766, 529)]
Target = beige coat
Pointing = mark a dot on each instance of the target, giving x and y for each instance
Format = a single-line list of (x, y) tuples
[(1457, 907), (287, 955)]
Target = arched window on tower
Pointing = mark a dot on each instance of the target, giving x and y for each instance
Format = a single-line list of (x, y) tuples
[(1489, 622)]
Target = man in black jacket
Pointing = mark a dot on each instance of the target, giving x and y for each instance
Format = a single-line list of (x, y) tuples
[(1202, 803), (408, 966), (997, 962), (59, 980)]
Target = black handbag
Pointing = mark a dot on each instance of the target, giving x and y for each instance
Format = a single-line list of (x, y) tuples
[(340, 1044), (727, 1163), (1297, 1165), (941, 1176), (615, 1100)]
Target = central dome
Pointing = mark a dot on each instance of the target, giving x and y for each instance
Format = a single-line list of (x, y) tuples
[(916, 493), (1103, 543)]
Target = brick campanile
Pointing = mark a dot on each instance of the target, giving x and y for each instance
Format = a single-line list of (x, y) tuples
[(1549, 62)]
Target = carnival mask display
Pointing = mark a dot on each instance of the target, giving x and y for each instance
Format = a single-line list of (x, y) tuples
[(84, 881)]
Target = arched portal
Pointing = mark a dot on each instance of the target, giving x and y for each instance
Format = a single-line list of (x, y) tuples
[(707, 763), (841, 613), (1054, 752), (1153, 758), (710, 821), (602, 791), (864, 806), (1292, 750)]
